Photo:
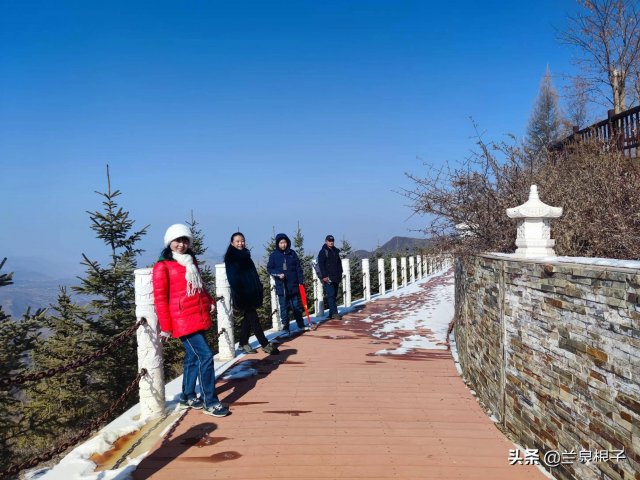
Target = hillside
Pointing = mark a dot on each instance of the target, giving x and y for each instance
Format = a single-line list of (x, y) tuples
[(397, 245)]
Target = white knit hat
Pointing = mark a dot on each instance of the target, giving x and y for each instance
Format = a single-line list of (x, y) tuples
[(177, 230)]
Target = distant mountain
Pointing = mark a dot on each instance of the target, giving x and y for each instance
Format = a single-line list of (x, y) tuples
[(16, 298), (37, 281), (397, 245)]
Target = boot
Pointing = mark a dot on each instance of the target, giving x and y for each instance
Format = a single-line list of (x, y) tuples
[(248, 349), (270, 349)]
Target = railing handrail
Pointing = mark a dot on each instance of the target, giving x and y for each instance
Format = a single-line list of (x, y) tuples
[(627, 136)]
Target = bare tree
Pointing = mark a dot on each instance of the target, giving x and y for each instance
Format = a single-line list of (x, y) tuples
[(606, 34), (577, 99)]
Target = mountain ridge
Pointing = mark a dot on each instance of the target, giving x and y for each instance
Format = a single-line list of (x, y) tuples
[(396, 245)]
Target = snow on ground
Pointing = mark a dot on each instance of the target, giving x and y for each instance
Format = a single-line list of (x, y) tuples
[(418, 324), (240, 371)]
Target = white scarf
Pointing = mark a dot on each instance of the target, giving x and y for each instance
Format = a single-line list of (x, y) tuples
[(194, 280)]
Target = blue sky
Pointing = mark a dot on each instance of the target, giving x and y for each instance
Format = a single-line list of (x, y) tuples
[(253, 114)]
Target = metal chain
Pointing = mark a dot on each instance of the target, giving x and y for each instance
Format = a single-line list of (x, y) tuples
[(217, 335), (14, 469), (15, 380), (170, 432)]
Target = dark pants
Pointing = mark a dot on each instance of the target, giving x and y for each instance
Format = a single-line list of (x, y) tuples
[(331, 291), (198, 364), (251, 322), (292, 301)]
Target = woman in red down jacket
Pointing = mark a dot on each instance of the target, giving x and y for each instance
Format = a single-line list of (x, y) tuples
[(184, 309)]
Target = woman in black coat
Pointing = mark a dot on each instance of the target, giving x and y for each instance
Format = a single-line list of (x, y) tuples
[(246, 293)]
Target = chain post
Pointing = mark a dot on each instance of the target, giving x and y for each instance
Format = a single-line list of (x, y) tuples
[(382, 288), (150, 349), (346, 288), (276, 323), (366, 279), (226, 340), (318, 292)]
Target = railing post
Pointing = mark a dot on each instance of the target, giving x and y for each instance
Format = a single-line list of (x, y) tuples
[(412, 269), (276, 322), (425, 265), (381, 279), (346, 272), (151, 386), (403, 270), (394, 274), (366, 279), (226, 340), (318, 293), (419, 266)]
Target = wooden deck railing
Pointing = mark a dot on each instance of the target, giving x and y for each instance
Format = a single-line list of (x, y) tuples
[(621, 131)]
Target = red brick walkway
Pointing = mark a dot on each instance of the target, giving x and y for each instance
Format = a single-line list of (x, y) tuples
[(327, 407)]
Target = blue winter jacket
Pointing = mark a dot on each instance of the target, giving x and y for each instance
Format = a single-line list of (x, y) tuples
[(287, 262)]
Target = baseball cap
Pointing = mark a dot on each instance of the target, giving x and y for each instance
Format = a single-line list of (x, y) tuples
[(330, 238)]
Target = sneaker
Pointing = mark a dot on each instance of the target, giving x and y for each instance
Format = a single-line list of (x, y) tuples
[(217, 410), (248, 349), (336, 316), (270, 349), (286, 333), (196, 403)]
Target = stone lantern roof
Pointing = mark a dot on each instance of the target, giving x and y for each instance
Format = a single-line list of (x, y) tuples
[(534, 208)]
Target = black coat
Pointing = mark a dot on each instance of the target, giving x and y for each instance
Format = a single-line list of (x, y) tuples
[(246, 288), (330, 263)]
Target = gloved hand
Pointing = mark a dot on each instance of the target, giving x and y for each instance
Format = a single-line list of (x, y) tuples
[(164, 336), (213, 308)]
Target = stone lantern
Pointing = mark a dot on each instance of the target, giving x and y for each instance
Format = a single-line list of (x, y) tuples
[(534, 226)]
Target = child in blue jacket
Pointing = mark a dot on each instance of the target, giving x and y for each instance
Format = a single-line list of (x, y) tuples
[(285, 267)]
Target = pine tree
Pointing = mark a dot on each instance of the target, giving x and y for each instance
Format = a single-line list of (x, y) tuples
[(199, 249), (112, 305), (17, 339), (373, 268), (58, 406), (546, 124)]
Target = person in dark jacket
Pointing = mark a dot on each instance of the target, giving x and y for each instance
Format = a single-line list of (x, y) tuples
[(285, 267), (246, 293), (330, 266), (183, 307)]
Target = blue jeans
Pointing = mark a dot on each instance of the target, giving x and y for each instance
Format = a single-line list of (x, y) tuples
[(331, 291), (292, 301), (198, 364)]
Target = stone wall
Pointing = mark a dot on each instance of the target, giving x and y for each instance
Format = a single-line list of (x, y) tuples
[(553, 351)]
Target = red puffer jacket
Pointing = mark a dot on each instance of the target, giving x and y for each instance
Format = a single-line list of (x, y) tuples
[(178, 313)]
